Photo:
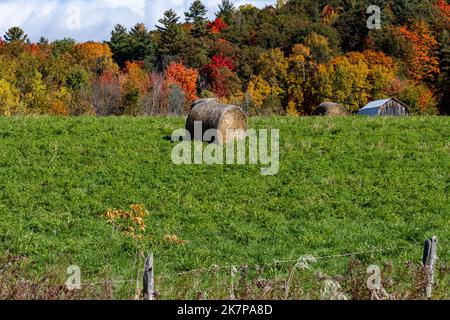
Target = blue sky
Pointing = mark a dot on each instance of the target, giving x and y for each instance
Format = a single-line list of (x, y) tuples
[(86, 20)]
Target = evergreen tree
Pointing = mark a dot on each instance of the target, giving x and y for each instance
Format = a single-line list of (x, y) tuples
[(170, 33), (141, 43), (134, 45), (120, 44), (226, 11), (197, 17), (43, 41), (16, 34), (169, 20)]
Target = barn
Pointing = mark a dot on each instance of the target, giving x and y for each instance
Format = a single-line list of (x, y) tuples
[(385, 107)]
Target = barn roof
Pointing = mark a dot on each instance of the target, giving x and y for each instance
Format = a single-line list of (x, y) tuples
[(380, 103), (376, 104)]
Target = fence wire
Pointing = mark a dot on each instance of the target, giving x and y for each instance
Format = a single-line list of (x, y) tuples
[(302, 262)]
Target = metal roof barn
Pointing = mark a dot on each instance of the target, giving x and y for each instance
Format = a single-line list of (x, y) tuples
[(385, 107)]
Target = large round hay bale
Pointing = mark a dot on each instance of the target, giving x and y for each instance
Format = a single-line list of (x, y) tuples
[(331, 109), (213, 114)]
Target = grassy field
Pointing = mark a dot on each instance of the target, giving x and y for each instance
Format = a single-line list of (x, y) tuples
[(345, 185)]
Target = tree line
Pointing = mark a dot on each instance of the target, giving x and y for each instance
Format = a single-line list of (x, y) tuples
[(285, 58)]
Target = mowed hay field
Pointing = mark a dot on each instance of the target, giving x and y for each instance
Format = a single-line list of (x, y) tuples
[(345, 185)]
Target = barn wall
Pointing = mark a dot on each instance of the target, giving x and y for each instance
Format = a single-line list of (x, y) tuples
[(369, 112), (393, 108)]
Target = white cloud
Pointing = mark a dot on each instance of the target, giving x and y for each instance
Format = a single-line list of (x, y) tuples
[(56, 19)]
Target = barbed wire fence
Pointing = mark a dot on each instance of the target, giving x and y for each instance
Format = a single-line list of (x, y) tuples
[(150, 288)]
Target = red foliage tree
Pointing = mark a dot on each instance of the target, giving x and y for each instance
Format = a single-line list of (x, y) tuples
[(220, 61), (106, 94), (217, 26), (444, 7), (219, 74), (106, 77), (34, 48)]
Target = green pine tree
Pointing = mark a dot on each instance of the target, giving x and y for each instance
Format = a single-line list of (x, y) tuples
[(140, 42), (226, 11), (43, 41), (169, 20), (120, 44), (197, 17), (16, 34), (170, 33)]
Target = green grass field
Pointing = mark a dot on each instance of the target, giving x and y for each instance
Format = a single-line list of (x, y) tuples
[(345, 185)]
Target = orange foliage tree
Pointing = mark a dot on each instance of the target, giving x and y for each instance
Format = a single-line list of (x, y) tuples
[(95, 56), (424, 64), (217, 26), (135, 76), (185, 78), (134, 82)]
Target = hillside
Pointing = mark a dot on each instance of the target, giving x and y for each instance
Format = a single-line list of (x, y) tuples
[(271, 58), (345, 185)]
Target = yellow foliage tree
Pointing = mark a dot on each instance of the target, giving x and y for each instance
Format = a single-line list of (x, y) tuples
[(7, 69), (258, 90), (382, 71), (320, 47), (342, 81), (60, 102), (296, 79), (272, 66), (37, 97), (9, 98)]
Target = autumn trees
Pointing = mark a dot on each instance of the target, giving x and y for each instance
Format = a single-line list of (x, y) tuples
[(284, 58)]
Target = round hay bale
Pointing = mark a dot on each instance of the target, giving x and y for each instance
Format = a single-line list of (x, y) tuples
[(331, 109), (213, 114)]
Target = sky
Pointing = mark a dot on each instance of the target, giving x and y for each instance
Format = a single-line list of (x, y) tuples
[(85, 20)]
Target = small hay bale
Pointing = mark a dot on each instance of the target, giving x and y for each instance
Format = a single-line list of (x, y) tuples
[(216, 115), (331, 109)]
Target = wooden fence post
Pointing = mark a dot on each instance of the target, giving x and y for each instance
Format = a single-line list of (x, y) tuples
[(429, 261), (149, 281), (233, 272)]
